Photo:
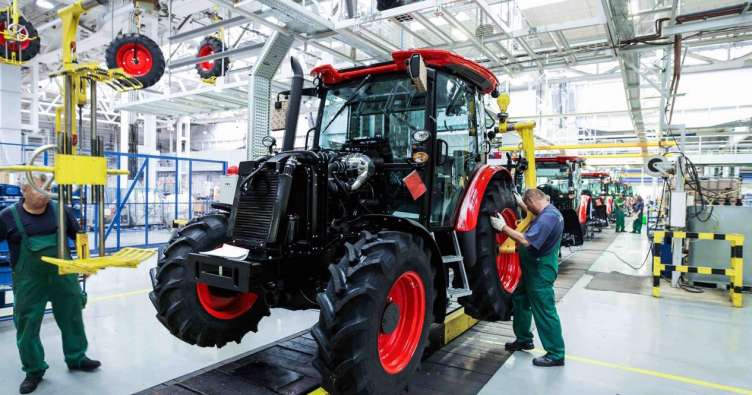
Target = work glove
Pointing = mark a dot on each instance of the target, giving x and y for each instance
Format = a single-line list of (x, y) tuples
[(519, 201), (497, 222)]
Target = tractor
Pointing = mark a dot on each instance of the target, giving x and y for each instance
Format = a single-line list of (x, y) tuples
[(595, 203), (370, 224), (559, 178)]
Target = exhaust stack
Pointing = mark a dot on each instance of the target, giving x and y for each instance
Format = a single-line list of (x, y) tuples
[(293, 107)]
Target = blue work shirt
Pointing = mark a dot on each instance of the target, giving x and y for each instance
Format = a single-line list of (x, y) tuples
[(545, 231)]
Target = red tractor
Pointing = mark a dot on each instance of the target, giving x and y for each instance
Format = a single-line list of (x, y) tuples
[(596, 204), (363, 225)]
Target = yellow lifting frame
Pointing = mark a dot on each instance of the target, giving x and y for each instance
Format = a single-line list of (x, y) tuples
[(735, 272), (525, 130)]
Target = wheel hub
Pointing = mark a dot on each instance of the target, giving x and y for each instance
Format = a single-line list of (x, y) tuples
[(224, 305), (406, 311), (135, 59), (390, 319)]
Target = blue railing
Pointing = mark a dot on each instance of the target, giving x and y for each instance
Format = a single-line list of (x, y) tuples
[(142, 201)]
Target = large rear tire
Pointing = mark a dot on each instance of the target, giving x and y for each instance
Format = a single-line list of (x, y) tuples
[(197, 313), (491, 276), (375, 315)]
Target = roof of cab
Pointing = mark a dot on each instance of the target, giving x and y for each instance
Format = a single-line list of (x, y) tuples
[(483, 78)]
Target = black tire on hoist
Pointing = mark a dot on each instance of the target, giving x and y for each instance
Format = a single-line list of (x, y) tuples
[(139, 56), (23, 50), (375, 314), (212, 68), (493, 276), (195, 312)]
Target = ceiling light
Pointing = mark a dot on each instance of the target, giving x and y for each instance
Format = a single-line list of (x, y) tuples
[(46, 4), (527, 4)]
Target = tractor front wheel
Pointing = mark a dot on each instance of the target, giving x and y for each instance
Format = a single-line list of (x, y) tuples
[(375, 315), (139, 56), (195, 312), (212, 68)]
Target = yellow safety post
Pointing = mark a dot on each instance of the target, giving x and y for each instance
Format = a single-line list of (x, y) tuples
[(735, 272)]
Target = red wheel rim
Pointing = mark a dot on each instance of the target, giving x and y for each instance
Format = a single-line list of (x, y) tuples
[(396, 349), (206, 50), (13, 44), (134, 58), (224, 306), (508, 264)]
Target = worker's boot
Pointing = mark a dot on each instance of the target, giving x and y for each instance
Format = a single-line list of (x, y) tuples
[(518, 346), (30, 384), (86, 365), (547, 361)]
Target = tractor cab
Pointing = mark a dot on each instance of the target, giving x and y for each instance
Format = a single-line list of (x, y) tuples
[(417, 121)]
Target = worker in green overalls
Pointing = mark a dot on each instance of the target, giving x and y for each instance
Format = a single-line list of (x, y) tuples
[(619, 212), (30, 227), (534, 296), (638, 207)]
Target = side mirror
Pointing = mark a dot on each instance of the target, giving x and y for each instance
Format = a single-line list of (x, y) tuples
[(416, 69)]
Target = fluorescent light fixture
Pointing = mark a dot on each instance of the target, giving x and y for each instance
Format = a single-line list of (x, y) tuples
[(527, 4), (46, 4)]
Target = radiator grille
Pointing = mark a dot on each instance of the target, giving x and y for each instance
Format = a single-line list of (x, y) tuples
[(256, 207)]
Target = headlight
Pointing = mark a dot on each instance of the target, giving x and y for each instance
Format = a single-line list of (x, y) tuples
[(421, 136)]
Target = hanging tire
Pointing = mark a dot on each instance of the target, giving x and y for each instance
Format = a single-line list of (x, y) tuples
[(139, 56), (24, 50), (195, 312), (375, 315), (493, 276), (213, 68)]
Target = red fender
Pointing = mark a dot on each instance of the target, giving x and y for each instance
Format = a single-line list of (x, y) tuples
[(583, 209), (467, 216), (609, 205)]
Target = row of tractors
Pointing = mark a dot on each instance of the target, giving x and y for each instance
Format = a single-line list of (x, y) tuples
[(586, 199)]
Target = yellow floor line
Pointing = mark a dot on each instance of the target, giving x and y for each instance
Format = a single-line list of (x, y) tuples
[(120, 295), (648, 372)]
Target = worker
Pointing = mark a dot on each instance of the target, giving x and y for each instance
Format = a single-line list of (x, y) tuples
[(638, 208), (534, 296), (619, 212), (30, 227)]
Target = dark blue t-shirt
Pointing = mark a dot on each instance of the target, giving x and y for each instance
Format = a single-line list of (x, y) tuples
[(545, 231)]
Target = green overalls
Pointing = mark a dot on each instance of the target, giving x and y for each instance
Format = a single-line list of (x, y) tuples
[(619, 203), (534, 298), (34, 284)]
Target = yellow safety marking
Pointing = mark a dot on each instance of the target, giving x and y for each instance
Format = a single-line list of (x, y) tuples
[(680, 235), (456, 324), (318, 391), (659, 235), (119, 295), (735, 238), (705, 236), (704, 270), (654, 373)]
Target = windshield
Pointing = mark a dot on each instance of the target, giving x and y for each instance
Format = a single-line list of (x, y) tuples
[(390, 108), (594, 185), (553, 176)]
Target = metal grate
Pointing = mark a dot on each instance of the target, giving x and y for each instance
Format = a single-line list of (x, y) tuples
[(256, 207)]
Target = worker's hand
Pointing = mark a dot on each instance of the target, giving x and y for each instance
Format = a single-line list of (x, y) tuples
[(497, 222), (519, 201)]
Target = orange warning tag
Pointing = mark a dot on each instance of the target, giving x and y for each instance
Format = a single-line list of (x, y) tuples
[(414, 184)]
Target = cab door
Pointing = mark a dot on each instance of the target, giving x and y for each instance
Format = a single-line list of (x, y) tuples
[(456, 150)]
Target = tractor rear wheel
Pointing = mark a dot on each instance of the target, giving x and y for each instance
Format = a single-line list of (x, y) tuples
[(375, 315), (493, 276), (139, 56), (195, 312)]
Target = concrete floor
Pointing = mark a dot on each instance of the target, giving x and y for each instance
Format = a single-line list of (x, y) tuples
[(136, 351), (626, 343)]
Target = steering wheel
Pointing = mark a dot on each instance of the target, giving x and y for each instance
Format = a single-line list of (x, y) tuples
[(44, 189)]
